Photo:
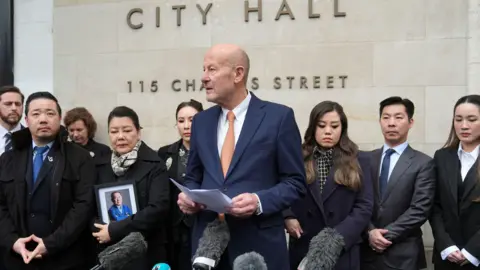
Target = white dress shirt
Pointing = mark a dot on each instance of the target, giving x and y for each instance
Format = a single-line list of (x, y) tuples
[(240, 112), (394, 157), (3, 132), (466, 160)]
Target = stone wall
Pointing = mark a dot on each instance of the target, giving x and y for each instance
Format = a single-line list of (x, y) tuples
[(426, 50)]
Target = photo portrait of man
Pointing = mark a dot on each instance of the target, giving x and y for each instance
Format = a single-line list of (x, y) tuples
[(118, 211)]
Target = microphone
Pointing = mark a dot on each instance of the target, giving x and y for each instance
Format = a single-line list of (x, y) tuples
[(114, 257), (250, 261), (161, 266), (324, 251), (211, 245)]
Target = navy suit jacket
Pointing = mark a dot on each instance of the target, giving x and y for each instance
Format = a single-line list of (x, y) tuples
[(338, 207), (267, 161)]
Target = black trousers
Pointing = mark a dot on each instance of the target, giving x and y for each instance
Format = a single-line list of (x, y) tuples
[(180, 248)]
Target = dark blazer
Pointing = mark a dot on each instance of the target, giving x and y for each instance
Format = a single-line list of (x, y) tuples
[(170, 152), (97, 149), (152, 184), (71, 202), (338, 207), (456, 217), (179, 230), (267, 161), (404, 208)]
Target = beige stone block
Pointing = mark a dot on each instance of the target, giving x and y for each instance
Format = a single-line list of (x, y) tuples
[(352, 60), (98, 73), (162, 66), (360, 105), (85, 28), (65, 78), (439, 103), (61, 3), (473, 31), (436, 62), (446, 18), (474, 78), (190, 34), (372, 20)]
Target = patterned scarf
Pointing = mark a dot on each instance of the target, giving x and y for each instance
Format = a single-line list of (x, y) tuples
[(324, 161), (121, 163)]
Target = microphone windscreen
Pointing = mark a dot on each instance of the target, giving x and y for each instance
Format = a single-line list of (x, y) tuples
[(214, 240), (324, 250), (161, 266), (250, 261), (131, 247)]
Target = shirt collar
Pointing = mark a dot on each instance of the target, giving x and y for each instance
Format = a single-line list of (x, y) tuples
[(241, 109), (474, 153), (4, 131), (49, 145), (398, 149)]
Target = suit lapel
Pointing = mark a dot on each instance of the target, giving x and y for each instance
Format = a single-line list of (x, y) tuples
[(58, 165), (253, 118), (452, 166), (469, 184), (330, 185), (210, 137), (401, 166), (314, 190), (376, 160)]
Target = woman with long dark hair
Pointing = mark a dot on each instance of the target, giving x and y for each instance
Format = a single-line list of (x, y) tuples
[(176, 157), (455, 219), (339, 201)]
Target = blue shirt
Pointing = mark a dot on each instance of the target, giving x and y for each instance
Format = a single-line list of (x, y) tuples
[(46, 152), (394, 157)]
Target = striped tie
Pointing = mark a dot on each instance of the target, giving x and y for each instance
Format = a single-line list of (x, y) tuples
[(8, 141)]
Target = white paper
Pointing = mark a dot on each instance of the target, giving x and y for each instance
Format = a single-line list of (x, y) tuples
[(213, 199)]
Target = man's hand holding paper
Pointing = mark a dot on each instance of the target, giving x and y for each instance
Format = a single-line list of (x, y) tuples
[(192, 201)]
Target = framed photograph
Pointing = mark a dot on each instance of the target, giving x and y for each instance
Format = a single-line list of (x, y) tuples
[(116, 201)]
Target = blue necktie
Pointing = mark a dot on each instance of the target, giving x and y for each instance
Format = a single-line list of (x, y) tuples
[(38, 160), (8, 141), (384, 171)]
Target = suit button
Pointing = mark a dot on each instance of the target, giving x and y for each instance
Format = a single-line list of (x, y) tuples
[(330, 214), (225, 189), (32, 215)]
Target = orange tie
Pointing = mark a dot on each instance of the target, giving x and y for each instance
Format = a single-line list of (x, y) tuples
[(228, 145)]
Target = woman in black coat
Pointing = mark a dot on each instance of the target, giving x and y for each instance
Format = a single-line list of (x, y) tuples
[(81, 127), (133, 160), (176, 156), (339, 202), (455, 218)]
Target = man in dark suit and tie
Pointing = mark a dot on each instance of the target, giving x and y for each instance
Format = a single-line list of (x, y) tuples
[(11, 107), (405, 189), (46, 198), (250, 150)]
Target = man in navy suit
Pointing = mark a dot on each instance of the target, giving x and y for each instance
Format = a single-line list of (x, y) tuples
[(263, 169)]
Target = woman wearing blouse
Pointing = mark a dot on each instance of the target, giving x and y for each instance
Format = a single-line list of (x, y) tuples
[(339, 201), (176, 156), (455, 219), (133, 160)]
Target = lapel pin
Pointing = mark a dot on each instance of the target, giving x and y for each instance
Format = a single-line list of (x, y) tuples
[(50, 159)]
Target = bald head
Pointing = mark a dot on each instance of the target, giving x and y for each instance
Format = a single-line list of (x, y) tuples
[(233, 55)]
